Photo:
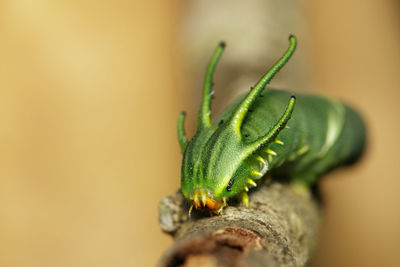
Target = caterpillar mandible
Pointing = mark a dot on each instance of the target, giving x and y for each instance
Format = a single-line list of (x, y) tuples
[(265, 131)]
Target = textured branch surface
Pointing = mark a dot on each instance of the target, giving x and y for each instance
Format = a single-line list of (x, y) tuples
[(278, 229)]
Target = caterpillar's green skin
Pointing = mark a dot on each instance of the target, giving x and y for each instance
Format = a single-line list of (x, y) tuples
[(266, 131)]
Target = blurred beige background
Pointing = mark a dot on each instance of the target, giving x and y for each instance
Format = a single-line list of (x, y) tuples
[(88, 104)]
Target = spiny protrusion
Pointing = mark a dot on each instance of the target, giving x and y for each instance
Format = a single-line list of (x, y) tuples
[(203, 200), (256, 173), (303, 150), (279, 142), (204, 119), (183, 141), (246, 188), (240, 112), (260, 159), (196, 199), (251, 182), (245, 199), (271, 152), (287, 127)]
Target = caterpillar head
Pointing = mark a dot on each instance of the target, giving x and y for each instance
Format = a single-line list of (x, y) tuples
[(217, 162)]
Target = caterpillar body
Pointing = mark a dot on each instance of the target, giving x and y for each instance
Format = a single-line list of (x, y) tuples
[(264, 132)]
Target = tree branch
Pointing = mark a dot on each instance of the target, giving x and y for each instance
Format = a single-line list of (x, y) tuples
[(278, 229)]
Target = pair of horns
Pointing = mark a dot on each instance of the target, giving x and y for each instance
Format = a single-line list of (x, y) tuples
[(236, 120)]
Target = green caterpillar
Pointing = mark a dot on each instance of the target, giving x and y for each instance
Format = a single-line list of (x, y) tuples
[(264, 132)]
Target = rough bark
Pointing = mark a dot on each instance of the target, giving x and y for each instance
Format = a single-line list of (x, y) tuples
[(279, 228)]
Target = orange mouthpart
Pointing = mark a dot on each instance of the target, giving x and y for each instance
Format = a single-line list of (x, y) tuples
[(201, 198)]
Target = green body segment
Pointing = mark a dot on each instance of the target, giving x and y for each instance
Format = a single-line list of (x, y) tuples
[(265, 131), (322, 134)]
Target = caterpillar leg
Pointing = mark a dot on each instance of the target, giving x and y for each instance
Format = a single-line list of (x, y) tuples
[(301, 186), (267, 179), (219, 211)]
